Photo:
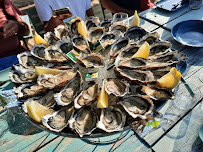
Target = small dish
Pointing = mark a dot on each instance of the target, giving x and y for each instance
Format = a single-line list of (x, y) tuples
[(189, 33), (171, 5)]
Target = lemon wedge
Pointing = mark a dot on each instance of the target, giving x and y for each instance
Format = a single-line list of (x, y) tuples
[(102, 99), (170, 80), (143, 51), (42, 70), (36, 111), (39, 40), (135, 20), (82, 29)]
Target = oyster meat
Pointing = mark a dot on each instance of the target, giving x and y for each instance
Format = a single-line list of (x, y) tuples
[(39, 51), (95, 34), (137, 106), (59, 119), (84, 121), (135, 33), (80, 44), (87, 96), (50, 38), (61, 31), (67, 95), (92, 21), (112, 119)]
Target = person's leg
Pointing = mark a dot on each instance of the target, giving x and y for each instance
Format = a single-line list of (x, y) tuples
[(8, 61)]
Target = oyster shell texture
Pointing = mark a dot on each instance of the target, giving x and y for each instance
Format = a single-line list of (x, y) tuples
[(130, 84)]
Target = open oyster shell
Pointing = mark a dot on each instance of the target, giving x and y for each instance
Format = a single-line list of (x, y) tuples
[(95, 34), (112, 119), (92, 21), (80, 44), (28, 90), (87, 96), (39, 51), (118, 46), (121, 26), (159, 47), (73, 26), (21, 75), (50, 38), (28, 61), (150, 38), (67, 95), (135, 33), (157, 93), (109, 38), (61, 31), (92, 60), (65, 44), (135, 76), (117, 87), (53, 81), (84, 121), (58, 120), (106, 24), (46, 99), (137, 105)]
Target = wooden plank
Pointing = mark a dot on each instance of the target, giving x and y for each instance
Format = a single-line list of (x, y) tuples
[(184, 136), (161, 16), (173, 112)]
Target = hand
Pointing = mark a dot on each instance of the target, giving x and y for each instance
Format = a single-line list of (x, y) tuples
[(55, 21), (10, 28)]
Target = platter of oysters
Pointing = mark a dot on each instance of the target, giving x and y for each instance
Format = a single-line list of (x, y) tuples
[(101, 82)]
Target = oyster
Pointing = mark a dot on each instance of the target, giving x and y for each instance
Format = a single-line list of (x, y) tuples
[(116, 87), (80, 44), (92, 21), (87, 96), (150, 38), (106, 24), (65, 44), (128, 52), (112, 119), (92, 60), (28, 61), (135, 33), (118, 46), (121, 26), (59, 119), (21, 75), (67, 95), (46, 99), (95, 34), (135, 76), (169, 57), (159, 47), (109, 38), (51, 81), (157, 93), (137, 106), (84, 121), (28, 90), (61, 31), (73, 26), (39, 51), (132, 63), (50, 38), (53, 54)]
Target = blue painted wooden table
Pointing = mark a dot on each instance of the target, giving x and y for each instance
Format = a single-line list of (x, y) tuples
[(181, 134)]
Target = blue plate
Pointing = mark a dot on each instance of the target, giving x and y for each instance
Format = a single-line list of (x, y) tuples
[(172, 5), (189, 33)]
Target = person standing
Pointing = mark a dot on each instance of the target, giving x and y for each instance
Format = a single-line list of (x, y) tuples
[(11, 28), (45, 11)]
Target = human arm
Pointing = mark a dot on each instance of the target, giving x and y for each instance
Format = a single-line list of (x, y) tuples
[(114, 8), (89, 12)]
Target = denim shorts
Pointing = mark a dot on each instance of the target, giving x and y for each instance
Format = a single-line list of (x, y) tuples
[(8, 61)]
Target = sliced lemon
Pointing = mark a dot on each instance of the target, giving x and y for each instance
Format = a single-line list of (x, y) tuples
[(102, 99), (143, 51), (36, 111), (39, 40), (170, 80), (82, 29), (135, 20), (42, 70)]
